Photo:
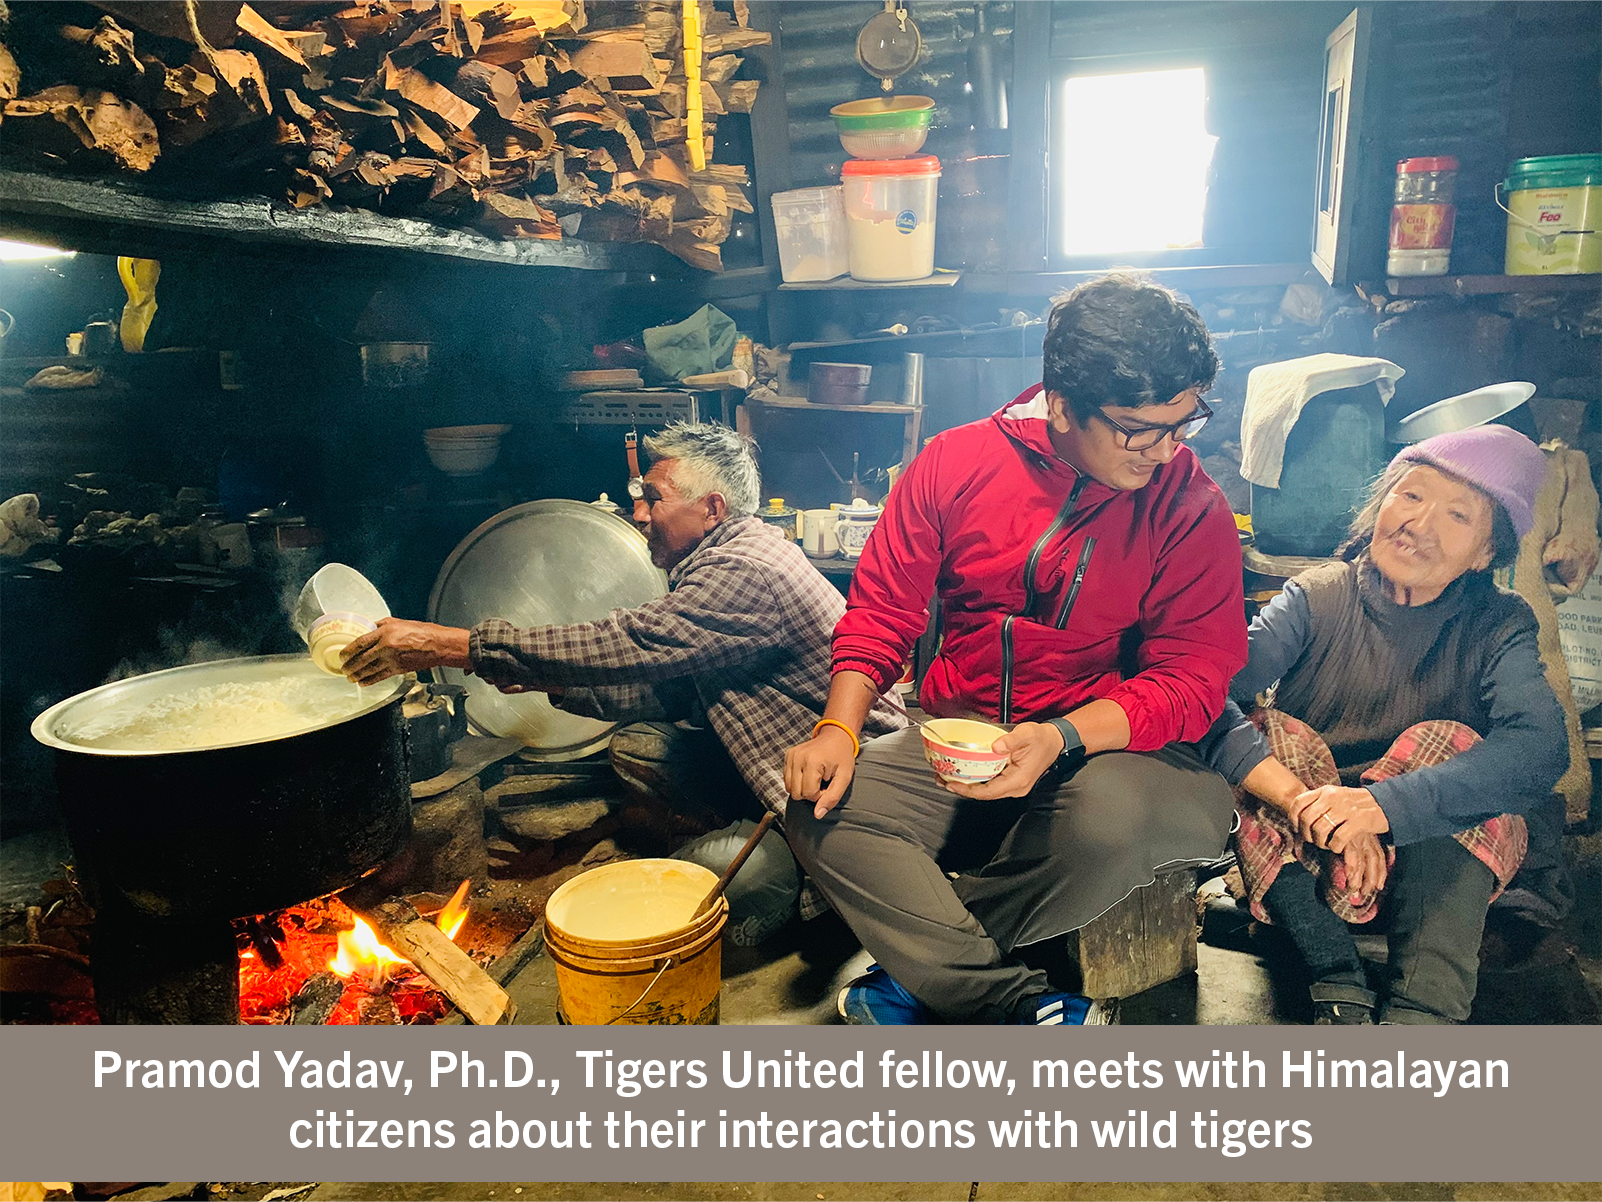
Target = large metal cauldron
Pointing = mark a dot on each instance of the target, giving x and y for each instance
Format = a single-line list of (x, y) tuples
[(231, 830)]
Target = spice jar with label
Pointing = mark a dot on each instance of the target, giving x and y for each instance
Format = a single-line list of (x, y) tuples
[(1422, 217)]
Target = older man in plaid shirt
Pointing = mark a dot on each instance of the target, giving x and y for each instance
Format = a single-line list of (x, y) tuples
[(741, 644)]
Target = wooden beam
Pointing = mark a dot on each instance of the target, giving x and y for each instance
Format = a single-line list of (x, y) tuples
[(1031, 73), (770, 128), (117, 219)]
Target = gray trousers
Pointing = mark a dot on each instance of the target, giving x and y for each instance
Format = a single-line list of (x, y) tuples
[(1028, 869), (688, 770)]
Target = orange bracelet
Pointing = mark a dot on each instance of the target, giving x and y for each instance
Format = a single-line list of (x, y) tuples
[(856, 746)]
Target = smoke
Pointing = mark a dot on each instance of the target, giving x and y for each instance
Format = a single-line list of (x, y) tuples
[(178, 648)]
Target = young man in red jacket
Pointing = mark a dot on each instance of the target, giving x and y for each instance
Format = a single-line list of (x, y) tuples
[(1089, 579)]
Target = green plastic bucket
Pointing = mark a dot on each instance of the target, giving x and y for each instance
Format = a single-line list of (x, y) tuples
[(1554, 215)]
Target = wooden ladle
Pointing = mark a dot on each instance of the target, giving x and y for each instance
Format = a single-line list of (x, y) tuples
[(711, 898)]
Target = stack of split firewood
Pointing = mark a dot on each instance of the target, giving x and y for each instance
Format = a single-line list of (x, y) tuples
[(524, 120)]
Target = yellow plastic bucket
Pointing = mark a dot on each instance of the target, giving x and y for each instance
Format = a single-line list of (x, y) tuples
[(1554, 215), (627, 949)]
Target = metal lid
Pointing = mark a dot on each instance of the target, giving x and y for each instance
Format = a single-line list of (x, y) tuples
[(92, 723), (541, 564)]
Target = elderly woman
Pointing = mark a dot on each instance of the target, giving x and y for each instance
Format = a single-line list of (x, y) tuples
[(1404, 726)]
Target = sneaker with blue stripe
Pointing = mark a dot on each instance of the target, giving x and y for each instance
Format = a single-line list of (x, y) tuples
[(876, 1000), (1066, 1010)]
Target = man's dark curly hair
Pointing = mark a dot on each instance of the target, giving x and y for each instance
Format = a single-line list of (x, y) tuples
[(1124, 340)]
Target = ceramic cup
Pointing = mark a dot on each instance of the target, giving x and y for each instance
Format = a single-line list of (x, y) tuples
[(818, 534)]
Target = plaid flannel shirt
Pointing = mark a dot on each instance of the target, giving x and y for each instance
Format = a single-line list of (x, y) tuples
[(741, 642)]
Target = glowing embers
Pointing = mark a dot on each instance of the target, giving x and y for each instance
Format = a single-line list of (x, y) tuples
[(334, 970)]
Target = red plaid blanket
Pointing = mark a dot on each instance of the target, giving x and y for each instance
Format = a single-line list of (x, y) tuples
[(1266, 839)]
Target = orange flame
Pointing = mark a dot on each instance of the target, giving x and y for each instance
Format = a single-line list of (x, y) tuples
[(361, 952), (454, 914)]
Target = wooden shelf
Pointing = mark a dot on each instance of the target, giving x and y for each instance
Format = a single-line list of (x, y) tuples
[(1185, 279), (1014, 333), (796, 402), (115, 218), (910, 415), (941, 279), (1489, 285), (834, 565)]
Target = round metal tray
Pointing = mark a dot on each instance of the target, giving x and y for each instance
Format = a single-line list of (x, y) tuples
[(1462, 412), (545, 563)]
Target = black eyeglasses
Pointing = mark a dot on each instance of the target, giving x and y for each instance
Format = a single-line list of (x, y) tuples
[(1144, 438)]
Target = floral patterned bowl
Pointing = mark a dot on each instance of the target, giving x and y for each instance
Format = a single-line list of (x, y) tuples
[(959, 750)]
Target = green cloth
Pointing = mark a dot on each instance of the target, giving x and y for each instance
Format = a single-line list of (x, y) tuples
[(702, 342)]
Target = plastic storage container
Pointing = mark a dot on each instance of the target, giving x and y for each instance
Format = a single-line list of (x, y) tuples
[(1333, 452), (1554, 215), (337, 606), (1423, 216), (811, 228), (887, 127), (890, 216)]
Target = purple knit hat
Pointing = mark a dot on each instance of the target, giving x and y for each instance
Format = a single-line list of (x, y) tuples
[(1501, 463)]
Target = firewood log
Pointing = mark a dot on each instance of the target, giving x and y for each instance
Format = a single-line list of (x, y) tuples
[(516, 217), (254, 25), (289, 99), (172, 20), (488, 86), (418, 89), (618, 65), (64, 119), (104, 56), (738, 96), (408, 934), (721, 69), (419, 130), (10, 77), (510, 48)]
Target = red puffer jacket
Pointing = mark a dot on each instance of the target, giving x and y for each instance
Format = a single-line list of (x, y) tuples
[(1055, 589)]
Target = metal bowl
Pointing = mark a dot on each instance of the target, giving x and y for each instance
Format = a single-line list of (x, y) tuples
[(1462, 412)]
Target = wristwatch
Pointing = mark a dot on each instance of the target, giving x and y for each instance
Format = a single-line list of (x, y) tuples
[(1073, 747)]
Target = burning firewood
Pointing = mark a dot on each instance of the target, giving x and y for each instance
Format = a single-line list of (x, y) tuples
[(451, 971), (317, 999)]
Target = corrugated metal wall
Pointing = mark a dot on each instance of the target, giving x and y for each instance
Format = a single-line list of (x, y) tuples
[(821, 70)]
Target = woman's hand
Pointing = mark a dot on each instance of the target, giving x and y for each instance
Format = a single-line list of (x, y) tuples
[(1364, 859), (1032, 747), (820, 769), (1333, 816)]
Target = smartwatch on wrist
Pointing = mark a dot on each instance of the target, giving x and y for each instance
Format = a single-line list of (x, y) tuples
[(1073, 747)]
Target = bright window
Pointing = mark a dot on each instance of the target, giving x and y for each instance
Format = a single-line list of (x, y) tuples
[(1133, 152), (27, 250)]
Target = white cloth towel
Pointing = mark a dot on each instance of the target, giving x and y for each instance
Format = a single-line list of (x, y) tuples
[(1276, 392)]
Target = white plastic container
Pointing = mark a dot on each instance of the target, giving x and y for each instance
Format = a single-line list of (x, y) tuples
[(811, 227), (890, 216), (337, 606)]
